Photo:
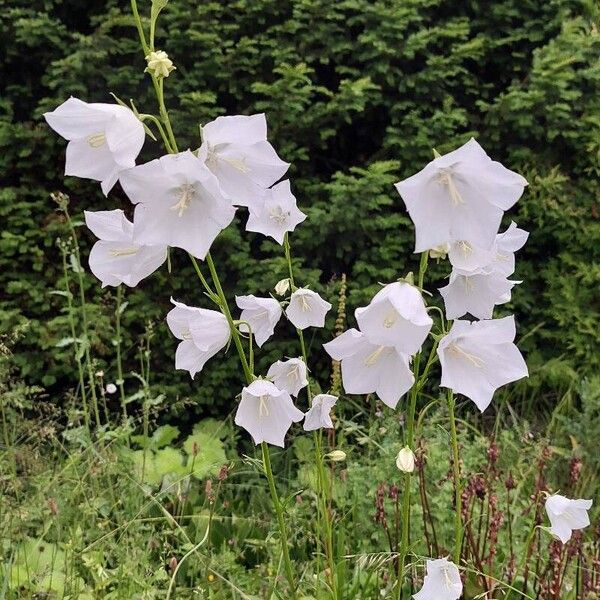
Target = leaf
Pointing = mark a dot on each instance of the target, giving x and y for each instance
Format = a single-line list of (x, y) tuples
[(164, 435)]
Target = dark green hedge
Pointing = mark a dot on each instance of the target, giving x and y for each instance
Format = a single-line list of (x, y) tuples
[(357, 93)]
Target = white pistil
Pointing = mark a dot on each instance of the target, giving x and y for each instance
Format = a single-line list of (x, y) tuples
[(468, 283), (374, 357), (445, 178), (278, 215), (465, 247), (304, 303), (125, 251), (187, 193), (263, 411), (475, 360), (96, 140)]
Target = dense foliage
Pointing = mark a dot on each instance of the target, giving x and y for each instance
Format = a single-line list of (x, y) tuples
[(357, 93)]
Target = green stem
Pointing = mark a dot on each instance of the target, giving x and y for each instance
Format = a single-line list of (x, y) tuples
[(458, 531), (118, 342), (280, 519), (410, 442)]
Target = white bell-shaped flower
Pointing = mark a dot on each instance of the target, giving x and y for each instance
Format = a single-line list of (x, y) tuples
[(236, 150), (371, 368), (442, 581), (115, 258), (261, 313), (499, 259), (396, 316), (318, 415), (202, 333), (479, 357), (307, 309), (104, 139), (476, 293), (460, 196), (178, 203), (266, 412), (289, 375), (567, 515), (276, 214)]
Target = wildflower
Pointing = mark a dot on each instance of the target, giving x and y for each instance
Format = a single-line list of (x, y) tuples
[(282, 286), (236, 150), (476, 293), (307, 309), (479, 357), (442, 581), (396, 316), (202, 333), (405, 461), (567, 515), (111, 388), (336, 456), (116, 258), (460, 196), (178, 203), (371, 368), (261, 313), (104, 139), (266, 412), (159, 64), (276, 214), (318, 414), (288, 375)]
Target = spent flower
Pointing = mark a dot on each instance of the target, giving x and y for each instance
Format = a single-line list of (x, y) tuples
[(318, 415)]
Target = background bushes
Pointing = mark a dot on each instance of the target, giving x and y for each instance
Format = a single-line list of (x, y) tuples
[(357, 93)]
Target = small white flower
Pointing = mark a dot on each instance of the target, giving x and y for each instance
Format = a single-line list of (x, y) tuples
[(104, 139), (276, 214), (111, 388), (202, 333), (442, 581), (460, 196), (236, 150), (318, 415), (289, 375), (479, 357), (336, 456), (266, 412), (396, 317), (261, 313), (283, 286), (159, 64), (178, 203), (371, 368), (307, 309), (476, 293), (116, 258), (405, 461), (567, 515)]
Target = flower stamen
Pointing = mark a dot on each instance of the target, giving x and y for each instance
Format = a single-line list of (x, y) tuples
[(187, 193), (96, 140), (374, 357), (445, 178), (263, 411), (125, 251), (475, 360)]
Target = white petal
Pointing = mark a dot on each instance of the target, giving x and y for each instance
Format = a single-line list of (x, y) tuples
[(190, 358), (344, 345), (261, 313), (236, 129), (109, 225), (125, 137), (75, 119)]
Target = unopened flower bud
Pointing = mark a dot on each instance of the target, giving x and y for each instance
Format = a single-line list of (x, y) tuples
[(282, 287), (336, 456), (111, 388), (405, 461), (159, 64)]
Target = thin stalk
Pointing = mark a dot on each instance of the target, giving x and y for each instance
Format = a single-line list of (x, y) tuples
[(118, 342), (458, 530)]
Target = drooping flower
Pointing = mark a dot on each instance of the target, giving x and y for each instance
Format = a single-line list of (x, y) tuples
[(500, 258), (104, 139), (266, 412), (116, 258), (236, 150), (479, 357), (371, 368), (442, 581), (289, 375), (460, 196), (318, 415), (178, 203), (405, 461), (261, 313), (276, 214), (396, 316), (202, 333), (159, 64), (475, 292), (567, 515), (307, 309)]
